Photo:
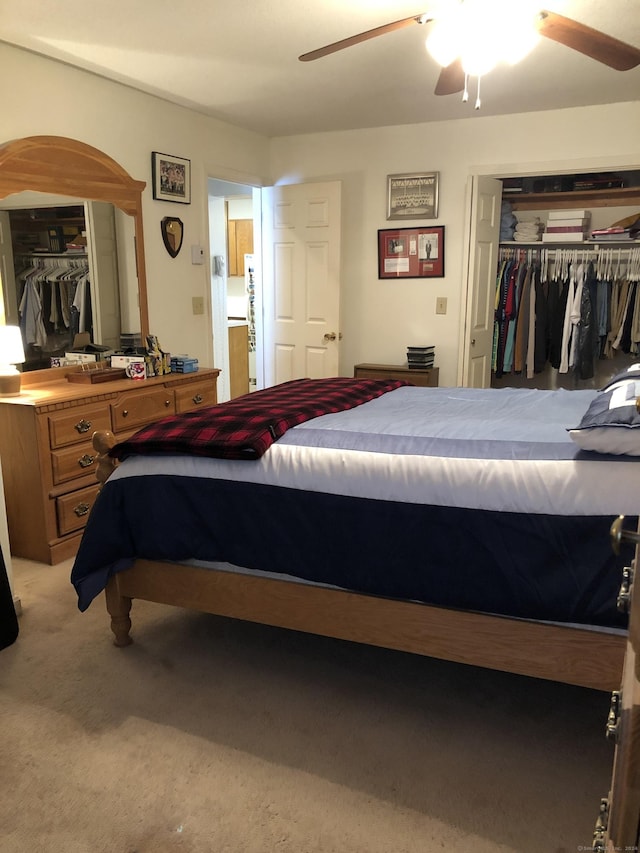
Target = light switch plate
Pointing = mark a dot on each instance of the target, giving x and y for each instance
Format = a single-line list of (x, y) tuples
[(197, 255), (441, 305)]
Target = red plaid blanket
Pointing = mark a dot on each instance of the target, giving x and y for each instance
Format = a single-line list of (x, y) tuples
[(246, 427)]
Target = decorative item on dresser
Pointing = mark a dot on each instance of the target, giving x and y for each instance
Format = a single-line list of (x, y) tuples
[(48, 460), (427, 378)]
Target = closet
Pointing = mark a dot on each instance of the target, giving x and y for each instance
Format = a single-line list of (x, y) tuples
[(567, 314), (60, 276)]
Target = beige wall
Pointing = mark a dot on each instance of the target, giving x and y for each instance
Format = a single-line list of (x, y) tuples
[(379, 319), (39, 96)]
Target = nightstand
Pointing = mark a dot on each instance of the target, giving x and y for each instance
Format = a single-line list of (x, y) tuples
[(424, 378)]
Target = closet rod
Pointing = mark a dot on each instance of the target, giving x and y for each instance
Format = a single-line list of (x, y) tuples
[(67, 255), (581, 249)]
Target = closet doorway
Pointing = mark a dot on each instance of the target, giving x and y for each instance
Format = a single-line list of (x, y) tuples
[(613, 268)]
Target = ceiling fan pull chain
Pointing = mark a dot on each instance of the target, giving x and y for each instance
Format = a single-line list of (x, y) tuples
[(478, 102), (465, 94)]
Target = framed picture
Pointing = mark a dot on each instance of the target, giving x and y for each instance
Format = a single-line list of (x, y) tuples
[(413, 196), (171, 178), (411, 252)]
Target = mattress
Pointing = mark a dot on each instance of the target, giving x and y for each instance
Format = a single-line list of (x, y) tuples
[(475, 499)]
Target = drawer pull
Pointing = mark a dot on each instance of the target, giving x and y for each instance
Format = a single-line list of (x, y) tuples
[(623, 602), (81, 509), (613, 720), (125, 412), (197, 399), (83, 426), (86, 461), (167, 403)]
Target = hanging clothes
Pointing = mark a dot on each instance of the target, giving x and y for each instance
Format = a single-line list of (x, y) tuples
[(51, 287), (565, 308)]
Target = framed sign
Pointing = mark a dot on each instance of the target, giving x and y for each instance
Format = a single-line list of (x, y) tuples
[(412, 196), (411, 252), (171, 178)]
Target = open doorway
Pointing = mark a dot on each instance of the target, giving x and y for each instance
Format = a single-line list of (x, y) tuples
[(236, 285)]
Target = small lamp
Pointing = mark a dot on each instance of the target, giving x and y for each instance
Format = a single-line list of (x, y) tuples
[(11, 353)]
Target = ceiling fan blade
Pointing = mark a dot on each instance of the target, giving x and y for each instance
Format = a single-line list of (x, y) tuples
[(451, 79), (598, 45), (369, 34)]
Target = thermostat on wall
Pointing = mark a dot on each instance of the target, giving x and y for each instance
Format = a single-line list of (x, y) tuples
[(197, 255)]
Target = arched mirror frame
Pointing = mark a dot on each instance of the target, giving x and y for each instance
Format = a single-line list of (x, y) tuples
[(56, 164)]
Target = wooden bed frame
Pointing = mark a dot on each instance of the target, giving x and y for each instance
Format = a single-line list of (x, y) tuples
[(573, 655)]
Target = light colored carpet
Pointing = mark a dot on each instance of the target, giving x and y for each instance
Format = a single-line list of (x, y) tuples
[(214, 736)]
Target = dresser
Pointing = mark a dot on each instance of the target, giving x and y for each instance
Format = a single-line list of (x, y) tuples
[(424, 378), (48, 460)]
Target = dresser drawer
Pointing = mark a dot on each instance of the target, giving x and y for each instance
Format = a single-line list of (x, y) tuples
[(73, 462), (72, 426), (197, 395), (73, 509), (140, 408), (427, 378)]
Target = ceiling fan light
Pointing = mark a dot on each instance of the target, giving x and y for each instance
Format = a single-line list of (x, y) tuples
[(443, 44), (479, 59), (515, 30), (514, 51)]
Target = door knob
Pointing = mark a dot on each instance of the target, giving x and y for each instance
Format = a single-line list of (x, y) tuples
[(331, 336), (473, 342), (619, 535)]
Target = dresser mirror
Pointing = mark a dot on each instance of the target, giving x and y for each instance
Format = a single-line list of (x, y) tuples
[(58, 170)]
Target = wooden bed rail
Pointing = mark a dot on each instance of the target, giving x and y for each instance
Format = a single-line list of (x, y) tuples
[(569, 654)]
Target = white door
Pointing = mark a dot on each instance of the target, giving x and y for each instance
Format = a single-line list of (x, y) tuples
[(8, 295), (486, 202), (301, 281)]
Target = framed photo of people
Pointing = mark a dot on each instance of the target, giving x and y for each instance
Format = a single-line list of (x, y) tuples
[(411, 252), (171, 178), (412, 196)]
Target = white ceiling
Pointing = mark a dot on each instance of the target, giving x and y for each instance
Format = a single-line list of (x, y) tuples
[(237, 60)]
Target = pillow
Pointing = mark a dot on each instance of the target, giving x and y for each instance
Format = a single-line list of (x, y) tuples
[(611, 424), (631, 372)]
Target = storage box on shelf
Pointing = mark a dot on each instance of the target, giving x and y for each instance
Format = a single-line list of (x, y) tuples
[(48, 459)]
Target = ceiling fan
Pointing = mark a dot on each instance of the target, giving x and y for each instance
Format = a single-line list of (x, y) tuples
[(469, 35)]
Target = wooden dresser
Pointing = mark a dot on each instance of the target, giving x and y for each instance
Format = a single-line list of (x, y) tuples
[(48, 460), (423, 378)]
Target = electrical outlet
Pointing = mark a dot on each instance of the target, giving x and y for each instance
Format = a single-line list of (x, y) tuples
[(198, 304), (441, 305)]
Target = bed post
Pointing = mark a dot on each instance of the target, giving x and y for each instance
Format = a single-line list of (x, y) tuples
[(118, 607), (103, 441)]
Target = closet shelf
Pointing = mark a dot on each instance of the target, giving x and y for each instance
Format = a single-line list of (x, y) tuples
[(554, 201)]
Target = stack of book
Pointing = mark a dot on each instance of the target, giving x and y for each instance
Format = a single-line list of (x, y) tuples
[(567, 226), (420, 358)]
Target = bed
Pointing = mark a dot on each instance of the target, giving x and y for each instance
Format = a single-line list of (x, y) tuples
[(463, 524)]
